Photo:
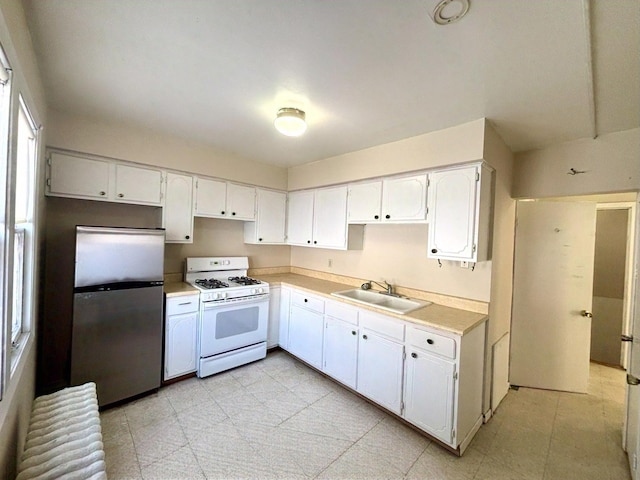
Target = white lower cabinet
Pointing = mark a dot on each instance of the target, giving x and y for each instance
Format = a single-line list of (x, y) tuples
[(430, 377), (340, 351), (380, 368), (181, 327), (306, 326), (429, 393)]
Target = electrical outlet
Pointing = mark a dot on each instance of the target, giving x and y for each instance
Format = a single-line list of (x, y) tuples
[(464, 264)]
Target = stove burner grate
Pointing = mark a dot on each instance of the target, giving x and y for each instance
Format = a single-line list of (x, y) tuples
[(211, 283), (244, 280)]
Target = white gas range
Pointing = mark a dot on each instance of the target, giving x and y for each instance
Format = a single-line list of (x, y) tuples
[(234, 313)]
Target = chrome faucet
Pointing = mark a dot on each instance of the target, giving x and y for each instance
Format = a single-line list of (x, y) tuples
[(387, 286)]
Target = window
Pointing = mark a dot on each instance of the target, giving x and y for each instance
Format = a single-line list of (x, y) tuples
[(23, 245), (5, 113)]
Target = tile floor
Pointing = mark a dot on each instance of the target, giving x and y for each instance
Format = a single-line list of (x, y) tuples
[(279, 419)]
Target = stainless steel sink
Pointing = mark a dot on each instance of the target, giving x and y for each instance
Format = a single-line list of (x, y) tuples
[(381, 300)]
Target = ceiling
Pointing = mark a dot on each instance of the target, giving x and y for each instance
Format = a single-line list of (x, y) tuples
[(366, 72)]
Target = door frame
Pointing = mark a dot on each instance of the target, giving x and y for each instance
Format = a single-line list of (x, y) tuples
[(627, 304)]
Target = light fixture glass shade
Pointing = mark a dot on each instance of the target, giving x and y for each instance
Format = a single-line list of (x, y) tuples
[(290, 122)]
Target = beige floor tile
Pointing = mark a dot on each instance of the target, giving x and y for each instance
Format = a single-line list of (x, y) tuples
[(185, 394), (358, 463), (113, 423), (201, 417), (492, 470), (221, 385), (181, 464), (438, 463), (158, 440), (121, 458), (147, 410)]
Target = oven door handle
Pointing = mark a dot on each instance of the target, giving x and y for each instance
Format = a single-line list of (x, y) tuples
[(224, 303)]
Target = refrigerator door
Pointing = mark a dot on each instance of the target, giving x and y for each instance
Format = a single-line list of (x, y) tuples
[(117, 341), (107, 255)]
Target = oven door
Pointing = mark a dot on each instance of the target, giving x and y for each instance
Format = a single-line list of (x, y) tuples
[(228, 326)]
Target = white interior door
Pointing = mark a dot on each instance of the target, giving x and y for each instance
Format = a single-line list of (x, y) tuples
[(553, 283)]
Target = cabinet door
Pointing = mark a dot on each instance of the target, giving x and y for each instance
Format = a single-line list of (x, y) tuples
[(305, 335), (177, 211), (138, 185), (270, 221), (273, 330), (300, 218), (380, 368), (211, 198), (78, 177), (340, 351), (330, 218), (365, 202), (429, 394), (241, 202), (452, 214), (285, 302), (180, 345), (405, 199)]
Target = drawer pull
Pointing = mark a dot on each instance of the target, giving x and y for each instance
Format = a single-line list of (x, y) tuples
[(353, 332), (364, 337), (306, 300), (414, 355), (185, 303), (430, 341)]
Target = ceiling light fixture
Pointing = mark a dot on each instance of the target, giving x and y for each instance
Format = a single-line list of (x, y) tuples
[(290, 122), (446, 11)]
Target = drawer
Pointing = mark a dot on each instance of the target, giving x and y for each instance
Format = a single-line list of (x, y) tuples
[(431, 342), (182, 304), (307, 301), (387, 326), (341, 311)]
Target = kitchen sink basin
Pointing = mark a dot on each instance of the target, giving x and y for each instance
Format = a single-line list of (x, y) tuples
[(382, 300)]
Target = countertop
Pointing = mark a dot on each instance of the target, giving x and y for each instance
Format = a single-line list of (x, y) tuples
[(438, 316), (179, 289)]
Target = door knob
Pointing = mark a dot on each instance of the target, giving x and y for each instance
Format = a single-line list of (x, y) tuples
[(586, 313)]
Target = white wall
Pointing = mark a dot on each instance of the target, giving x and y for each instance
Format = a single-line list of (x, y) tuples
[(15, 406), (611, 163)]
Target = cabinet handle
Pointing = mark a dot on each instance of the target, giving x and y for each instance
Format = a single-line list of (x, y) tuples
[(103, 193), (120, 195), (222, 212), (387, 216), (414, 355), (434, 250), (233, 213), (315, 241), (353, 332), (186, 237), (308, 241), (305, 300), (364, 337), (376, 217), (185, 303), (430, 341), (259, 239)]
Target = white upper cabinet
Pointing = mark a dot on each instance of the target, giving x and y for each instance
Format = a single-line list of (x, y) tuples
[(318, 218), (365, 202), (177, 216), (460, 213), (269, 226), (241, 202), (211, 198), (330, 218), (94, 179), (219, 199), (300, 218), (72, 176), (392, 200), (138, 185)]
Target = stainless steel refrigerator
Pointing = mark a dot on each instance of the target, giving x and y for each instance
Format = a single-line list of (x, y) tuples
[(117, 332)]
